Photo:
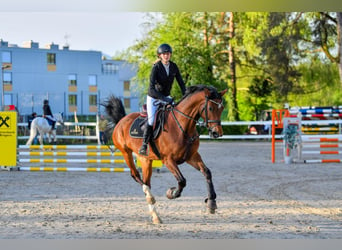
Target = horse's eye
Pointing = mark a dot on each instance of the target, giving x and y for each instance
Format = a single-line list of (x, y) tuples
[(210, 108)]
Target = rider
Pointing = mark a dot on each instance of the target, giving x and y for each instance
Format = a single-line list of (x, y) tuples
[(162, 76), (48, 114)]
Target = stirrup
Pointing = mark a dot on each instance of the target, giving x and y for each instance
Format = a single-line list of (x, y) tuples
[(143, 150)]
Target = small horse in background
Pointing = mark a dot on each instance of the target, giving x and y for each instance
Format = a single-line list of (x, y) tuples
[(41, 125), (178, 141)]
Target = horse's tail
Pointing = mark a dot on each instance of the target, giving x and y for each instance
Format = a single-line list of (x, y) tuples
[(114, 109)]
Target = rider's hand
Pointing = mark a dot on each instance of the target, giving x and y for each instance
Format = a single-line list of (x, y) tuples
[(168, 99)]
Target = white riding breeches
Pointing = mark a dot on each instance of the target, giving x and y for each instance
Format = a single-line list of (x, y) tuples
[(51, 118), (152, 106)]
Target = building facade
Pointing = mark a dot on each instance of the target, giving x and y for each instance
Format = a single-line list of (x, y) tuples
[(73, 81)]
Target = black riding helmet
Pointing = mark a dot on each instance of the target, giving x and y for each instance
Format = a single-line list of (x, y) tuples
[(163, 48), (46, 102)]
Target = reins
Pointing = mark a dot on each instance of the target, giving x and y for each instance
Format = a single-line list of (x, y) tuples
[(207, 121)]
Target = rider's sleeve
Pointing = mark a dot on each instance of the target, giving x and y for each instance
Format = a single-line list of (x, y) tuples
[(153, 91)]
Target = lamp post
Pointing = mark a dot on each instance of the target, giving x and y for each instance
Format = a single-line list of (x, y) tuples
[(3, 87)]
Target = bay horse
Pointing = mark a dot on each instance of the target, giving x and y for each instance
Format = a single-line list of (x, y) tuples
[(41, 125), (178, 141)]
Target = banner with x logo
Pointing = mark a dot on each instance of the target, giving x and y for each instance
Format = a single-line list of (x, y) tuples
[(8, 138)]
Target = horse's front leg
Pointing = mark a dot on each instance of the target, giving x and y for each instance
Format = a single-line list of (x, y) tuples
[(197, 162), (41, 137), (173, 192), (54, 136)]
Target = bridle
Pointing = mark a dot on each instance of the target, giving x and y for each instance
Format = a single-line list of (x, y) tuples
[(206, 122)]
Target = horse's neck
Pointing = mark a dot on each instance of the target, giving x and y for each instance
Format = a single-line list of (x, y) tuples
[(190, 106), (188, 112)]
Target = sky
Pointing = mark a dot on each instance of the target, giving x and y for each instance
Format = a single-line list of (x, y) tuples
[(105, 31)]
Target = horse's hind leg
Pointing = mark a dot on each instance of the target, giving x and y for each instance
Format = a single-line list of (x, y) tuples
[(146, 166), (33, 133)]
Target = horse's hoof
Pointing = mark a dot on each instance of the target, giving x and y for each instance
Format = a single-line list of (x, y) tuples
[(171, 193), (157, 220), (211, 204)]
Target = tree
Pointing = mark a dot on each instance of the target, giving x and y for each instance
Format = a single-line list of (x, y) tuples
[(327, 34)]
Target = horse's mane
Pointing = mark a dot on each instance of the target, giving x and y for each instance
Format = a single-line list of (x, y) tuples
[(214, 94)]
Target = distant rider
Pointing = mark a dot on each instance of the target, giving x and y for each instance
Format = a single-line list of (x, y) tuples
[(48, 114)]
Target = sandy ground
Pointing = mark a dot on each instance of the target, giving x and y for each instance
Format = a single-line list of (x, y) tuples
[(256, 199)]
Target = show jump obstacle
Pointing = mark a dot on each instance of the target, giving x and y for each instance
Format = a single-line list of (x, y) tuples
[(312, 135), (88, 158)]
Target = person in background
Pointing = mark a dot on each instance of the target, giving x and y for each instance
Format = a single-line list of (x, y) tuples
[(163, 73), (102, 128)]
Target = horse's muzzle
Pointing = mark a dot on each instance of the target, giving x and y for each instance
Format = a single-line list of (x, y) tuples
[(215, 132)]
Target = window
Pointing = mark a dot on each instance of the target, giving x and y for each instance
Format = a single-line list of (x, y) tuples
[(6, 57), (51, 58), (92, 80), (126, 85), (110, 68), (127, 103), (72, 80), (72, 100), (7, 78), (92, 100), (8, 99)]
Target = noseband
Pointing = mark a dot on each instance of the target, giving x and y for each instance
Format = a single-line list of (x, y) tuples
[(207, 121)]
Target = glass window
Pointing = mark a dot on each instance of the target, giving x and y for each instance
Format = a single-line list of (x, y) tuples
[(72, 100), (110, 68), (92, 80), (93, 100), (126, 85), (7, 78), (127, 102), (6, 57), (8, 100), (72, 80), (51, 58)]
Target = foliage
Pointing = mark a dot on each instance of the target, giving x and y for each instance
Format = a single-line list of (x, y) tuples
[(278, 57)]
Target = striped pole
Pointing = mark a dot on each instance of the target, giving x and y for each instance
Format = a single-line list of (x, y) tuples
[(323, 161), (38, 153), (323, 129), (71, 161), (64, 147), (72, 169), (323, 152), (322, 145), (321, 139)]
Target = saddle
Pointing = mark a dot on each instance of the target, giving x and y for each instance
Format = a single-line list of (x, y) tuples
[(139, 124), (50, 122)]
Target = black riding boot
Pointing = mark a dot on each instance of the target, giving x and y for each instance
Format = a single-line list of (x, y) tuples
[(147, 135)]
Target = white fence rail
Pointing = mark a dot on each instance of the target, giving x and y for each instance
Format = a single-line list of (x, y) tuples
[(224, 123)]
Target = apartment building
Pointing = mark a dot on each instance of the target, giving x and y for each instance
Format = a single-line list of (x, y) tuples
[(72, 80)]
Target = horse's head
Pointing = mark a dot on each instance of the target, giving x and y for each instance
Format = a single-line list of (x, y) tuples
[(211, 111), (59, 118)]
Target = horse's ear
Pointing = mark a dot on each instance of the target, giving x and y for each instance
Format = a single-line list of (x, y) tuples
[(223, 92)]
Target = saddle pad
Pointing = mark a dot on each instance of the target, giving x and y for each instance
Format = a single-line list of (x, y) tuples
[(136, 129)]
